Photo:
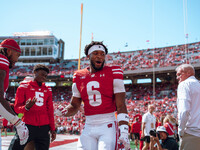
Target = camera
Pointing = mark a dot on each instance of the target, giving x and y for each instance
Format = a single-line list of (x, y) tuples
[(153, 133)]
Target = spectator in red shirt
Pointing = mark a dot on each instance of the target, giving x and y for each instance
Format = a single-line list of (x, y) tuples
[(34, 99), (169, 127), (5, 126), (135, 129)]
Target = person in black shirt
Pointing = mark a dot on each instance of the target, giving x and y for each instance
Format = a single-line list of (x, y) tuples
[(165, 142)]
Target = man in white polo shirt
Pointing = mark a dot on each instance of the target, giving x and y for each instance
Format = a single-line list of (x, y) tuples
[(188, 103), (148, 123)]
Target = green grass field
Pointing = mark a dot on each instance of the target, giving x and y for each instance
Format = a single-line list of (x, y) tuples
[(132, 145), (8, 133)]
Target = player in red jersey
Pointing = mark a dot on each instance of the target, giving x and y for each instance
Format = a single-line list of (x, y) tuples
[(9, 54), (34, 100), (101, 88), (135, 129)]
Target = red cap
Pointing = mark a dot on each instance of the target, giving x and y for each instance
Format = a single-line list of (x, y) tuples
[(10, 43)]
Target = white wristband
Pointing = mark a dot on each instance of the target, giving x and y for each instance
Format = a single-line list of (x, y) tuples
[(123, 128), (7, 115), (123, 117), (14, 120)]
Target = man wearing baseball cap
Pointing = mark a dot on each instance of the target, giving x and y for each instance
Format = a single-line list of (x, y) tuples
[(9, 54), (165, 143)]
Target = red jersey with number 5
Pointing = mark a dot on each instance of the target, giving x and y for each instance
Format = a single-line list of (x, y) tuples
[(97, 89), (41, 113)]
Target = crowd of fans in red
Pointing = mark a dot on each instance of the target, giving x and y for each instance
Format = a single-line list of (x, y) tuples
[(134, 92), (74, 125), (163, 57), (140, 95), (136, 104), (140, 59), (145, 92)]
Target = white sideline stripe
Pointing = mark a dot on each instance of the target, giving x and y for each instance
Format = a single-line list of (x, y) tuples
[(59, 137)]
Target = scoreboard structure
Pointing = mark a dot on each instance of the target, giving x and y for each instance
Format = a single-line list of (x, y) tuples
[(38, 47)]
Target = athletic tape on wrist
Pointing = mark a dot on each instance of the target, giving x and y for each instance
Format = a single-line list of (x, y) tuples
[(123, 128), (122, 117)]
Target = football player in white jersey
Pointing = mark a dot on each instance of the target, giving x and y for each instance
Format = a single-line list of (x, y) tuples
[(101, 88)]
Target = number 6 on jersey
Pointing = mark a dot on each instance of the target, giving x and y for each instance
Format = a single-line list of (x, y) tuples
[(94, 96)]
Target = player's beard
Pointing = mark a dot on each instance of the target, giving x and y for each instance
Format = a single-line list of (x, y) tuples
[(95, 68)]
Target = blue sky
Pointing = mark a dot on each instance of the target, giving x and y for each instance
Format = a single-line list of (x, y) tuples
[(116, 22)]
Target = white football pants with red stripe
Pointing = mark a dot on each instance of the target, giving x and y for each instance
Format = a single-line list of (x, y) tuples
[(99, 137)]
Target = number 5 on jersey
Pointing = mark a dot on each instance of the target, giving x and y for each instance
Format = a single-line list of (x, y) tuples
[(40, 99)]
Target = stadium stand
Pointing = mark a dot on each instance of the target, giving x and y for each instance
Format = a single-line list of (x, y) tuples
[(138, 95), (74, 125), (134, 60)]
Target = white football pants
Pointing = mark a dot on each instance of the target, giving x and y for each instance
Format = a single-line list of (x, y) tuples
[(99, 137)]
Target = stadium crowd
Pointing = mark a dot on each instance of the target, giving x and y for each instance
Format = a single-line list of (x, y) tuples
[(139, 97), (74, 125), (135, 60), (134, 92)]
